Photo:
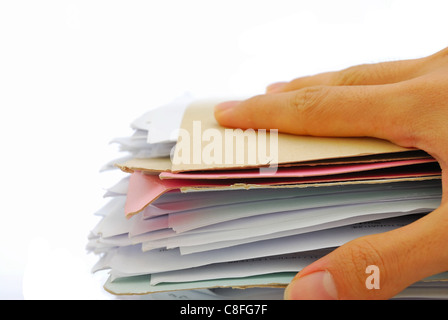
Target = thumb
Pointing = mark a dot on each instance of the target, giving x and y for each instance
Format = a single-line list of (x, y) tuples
[(377, 266)]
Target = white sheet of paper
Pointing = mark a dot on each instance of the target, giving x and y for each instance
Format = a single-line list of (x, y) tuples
[(131, 260), (141, 226), (180, 202), (114, 221), (272, 225), (162, 122), (292, 262), (118, 189), (185, 221)]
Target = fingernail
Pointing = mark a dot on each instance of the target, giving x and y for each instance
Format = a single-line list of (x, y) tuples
[(275, 87), (226, 105), (315, 286)]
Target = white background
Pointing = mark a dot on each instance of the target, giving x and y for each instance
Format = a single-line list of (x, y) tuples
[(74, 74)]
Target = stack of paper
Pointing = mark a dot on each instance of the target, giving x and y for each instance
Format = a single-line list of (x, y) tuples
[(195, 212)]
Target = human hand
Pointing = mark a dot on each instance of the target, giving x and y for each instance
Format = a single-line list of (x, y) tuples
[(405, 102)]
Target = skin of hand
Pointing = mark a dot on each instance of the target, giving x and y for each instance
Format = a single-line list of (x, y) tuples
[(405, 102)]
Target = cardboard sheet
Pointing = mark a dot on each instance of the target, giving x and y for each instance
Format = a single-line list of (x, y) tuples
[(199, 118), (149, 165), (292, 172)]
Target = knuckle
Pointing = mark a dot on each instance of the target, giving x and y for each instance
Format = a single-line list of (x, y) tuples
[(360, 253), (308, 101), (423, 119), (357, 256), (368, 252), (365, 74), (351, 76)]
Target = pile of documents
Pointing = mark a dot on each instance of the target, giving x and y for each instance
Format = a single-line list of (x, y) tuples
[(197, 217)]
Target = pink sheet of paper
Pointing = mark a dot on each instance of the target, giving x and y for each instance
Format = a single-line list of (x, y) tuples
[(145, 189), (293, 172)]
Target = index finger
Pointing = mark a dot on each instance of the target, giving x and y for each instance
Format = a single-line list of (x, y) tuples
[(338, 111)]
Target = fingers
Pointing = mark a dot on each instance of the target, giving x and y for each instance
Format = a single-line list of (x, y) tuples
[(366, 74), (321, 111), (378, 266), (303, 82)]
